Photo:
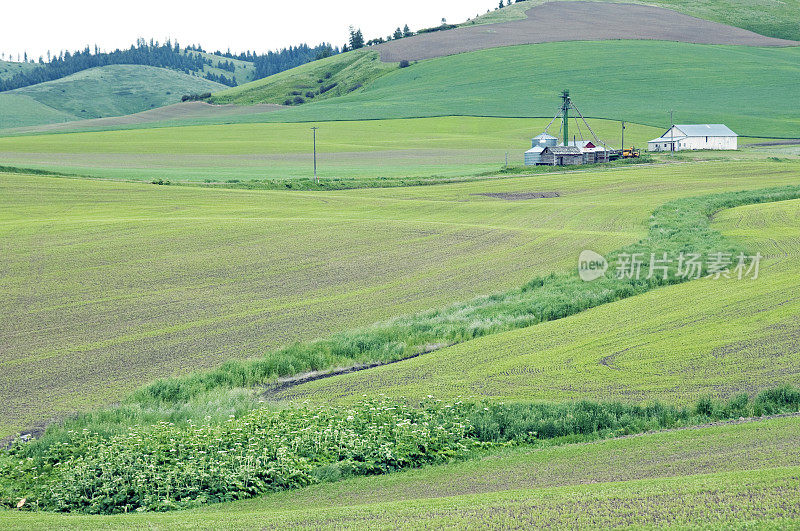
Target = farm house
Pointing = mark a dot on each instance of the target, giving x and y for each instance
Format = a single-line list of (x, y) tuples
[(688, 137)]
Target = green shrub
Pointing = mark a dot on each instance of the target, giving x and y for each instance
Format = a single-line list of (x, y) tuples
[(172, 465), (165, 466)]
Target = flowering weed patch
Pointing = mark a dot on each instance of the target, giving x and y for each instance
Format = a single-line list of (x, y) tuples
[(166, 466)]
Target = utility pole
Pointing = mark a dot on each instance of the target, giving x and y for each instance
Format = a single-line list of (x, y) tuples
[(565, 111), (671, 134), (623, 135), (315, 153)]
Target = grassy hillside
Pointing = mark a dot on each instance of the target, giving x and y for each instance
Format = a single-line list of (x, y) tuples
[(109, 91), (767, 17), (435, 148), (272, 268), (244, 71), (18, 110), (714, 475), (638, 81), (318, 80), (9, 68)]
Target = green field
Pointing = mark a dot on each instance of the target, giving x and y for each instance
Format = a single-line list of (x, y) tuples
[(663, 344), (723, 475), (443, 147), (157, 341), (774, 19), (276, 267), (636, 81), (112, 90), (639, 81)]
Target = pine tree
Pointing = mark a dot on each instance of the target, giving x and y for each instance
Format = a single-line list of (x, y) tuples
[(356, 38)]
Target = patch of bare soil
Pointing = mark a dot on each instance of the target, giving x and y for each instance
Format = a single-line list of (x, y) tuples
[(177, 111), (520, 196), (575, 21), (788, 142)]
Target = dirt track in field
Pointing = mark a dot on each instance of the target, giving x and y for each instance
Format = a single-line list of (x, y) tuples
[(520, 196), (575, 21), (177, 111), (788, 142)]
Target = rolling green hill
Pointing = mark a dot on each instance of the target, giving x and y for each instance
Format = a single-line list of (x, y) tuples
[(638, 81), (9, 68), (767, 17), (105, 91), (244, 71), (318, 80), (19, 110)]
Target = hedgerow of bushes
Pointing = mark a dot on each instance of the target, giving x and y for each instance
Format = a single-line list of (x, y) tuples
[(167, 466)]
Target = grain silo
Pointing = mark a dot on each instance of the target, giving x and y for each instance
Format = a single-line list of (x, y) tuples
[(533, 155)]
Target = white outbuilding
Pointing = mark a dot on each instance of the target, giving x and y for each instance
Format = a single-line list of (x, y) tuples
[(702, 136)]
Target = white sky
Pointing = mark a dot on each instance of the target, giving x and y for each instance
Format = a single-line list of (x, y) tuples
[(36, 26)]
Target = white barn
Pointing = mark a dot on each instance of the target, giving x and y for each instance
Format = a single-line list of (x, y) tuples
[(703, 136)]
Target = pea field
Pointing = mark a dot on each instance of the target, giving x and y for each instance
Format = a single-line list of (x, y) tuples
[(212, 319)]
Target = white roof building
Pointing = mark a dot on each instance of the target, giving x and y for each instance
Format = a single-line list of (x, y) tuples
[(587, 146), (702, 136)]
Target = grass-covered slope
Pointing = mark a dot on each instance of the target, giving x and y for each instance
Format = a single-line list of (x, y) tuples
[(19, 110), (244, 71), (178, 303), (318, 80), (130, 292), (772, 18), (10, 68), (638, 81), (112, 90), (708, 337)]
